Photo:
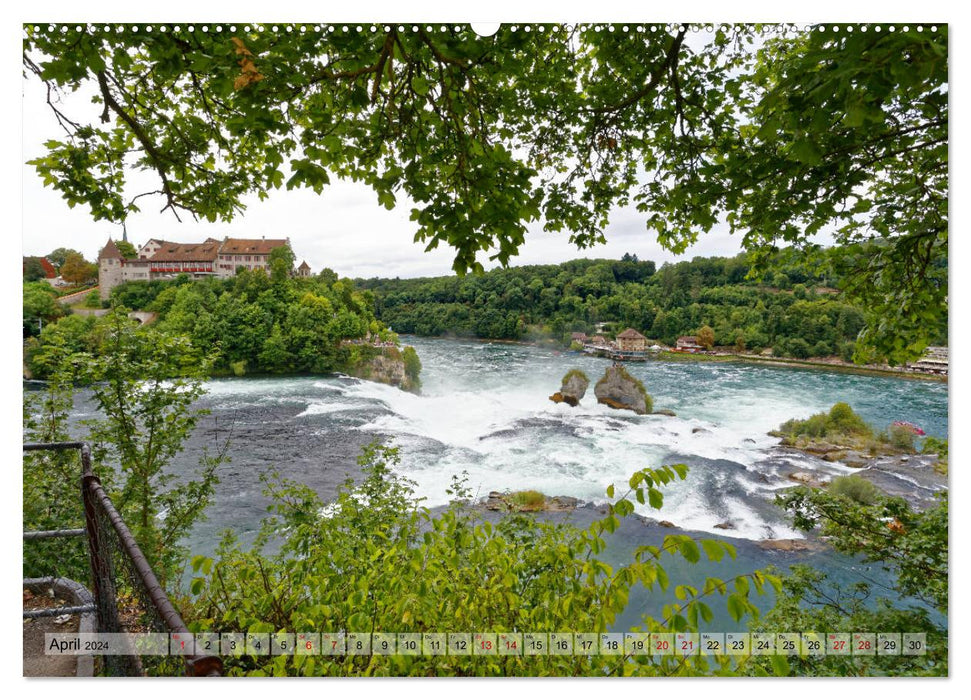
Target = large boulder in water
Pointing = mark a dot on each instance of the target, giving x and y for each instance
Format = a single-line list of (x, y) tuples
[(572, 389), (618, 389)]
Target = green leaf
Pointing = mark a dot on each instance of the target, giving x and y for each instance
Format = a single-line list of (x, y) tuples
[(656, 498), (713, 549), (736, 607), (690, 551), (805, 151)]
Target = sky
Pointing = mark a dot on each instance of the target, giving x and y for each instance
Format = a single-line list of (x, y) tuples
[(344, 228)]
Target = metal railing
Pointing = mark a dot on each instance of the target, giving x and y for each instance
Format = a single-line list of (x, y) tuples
[(128, 596)]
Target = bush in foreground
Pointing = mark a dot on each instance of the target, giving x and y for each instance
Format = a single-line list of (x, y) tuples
[(376, 560)]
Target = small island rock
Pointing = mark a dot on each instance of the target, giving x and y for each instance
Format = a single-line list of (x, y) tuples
[(572, 389), (618, 389)]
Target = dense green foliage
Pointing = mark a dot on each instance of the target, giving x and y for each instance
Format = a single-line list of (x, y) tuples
[(252, 322), (51, 480), (780, 135), (33, 270), (536, 301), (911, 545), (937, 447), (856, 488), (840, 421), (375, 560), (40, 307), (843, 426), (144, 384), (412, 365)]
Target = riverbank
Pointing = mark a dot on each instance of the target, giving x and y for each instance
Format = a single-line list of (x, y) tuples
[(832, 364)]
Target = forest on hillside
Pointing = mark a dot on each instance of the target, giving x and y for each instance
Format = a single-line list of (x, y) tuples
[(794, 308)]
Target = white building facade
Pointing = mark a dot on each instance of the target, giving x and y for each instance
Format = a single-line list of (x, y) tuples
[(159, 259)]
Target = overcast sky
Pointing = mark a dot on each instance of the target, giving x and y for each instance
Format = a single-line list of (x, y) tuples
[(344, 228)]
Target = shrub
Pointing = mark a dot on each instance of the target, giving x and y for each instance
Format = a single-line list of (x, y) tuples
[(412, 365), (799, 348), (526, 500), (92, 300), (840, 422), (855, 488), (933, 445), (846, 351), (375, 559), (901, 437), (844, 420), (822, 349), (575, 373)]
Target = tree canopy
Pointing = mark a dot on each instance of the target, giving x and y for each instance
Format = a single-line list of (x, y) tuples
[(780, 135)]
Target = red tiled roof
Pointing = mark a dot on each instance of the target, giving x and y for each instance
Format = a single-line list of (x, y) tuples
[(110, 251), (304, 266), (187, 252), (631, 334), (251, 246)]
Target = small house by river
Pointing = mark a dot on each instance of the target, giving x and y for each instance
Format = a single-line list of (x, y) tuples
[(689, 343)]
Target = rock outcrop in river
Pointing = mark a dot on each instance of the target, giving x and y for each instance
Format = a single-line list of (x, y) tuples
[(618, 389), (572, 389), (388, 367)]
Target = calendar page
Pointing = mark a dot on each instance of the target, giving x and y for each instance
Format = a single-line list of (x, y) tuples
[(545, 347)]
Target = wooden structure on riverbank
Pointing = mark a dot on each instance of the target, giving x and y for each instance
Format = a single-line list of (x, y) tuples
[(630, 346)]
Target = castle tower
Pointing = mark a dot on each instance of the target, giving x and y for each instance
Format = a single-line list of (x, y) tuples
[(110, 273)]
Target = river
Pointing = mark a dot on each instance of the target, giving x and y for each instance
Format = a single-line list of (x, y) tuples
[(484, 409)]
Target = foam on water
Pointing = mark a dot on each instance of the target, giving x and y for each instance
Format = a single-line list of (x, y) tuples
[(484, 410)]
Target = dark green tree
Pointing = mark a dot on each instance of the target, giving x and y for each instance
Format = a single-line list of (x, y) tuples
[(145, 383), (802, 131), (33, 270)]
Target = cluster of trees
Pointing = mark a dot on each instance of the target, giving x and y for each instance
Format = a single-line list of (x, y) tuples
[(145, 383), (254, 322), (778, 132), (40, 307), (795, 311), (70, 265)]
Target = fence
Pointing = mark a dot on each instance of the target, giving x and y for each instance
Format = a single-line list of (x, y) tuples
[(127, 595)]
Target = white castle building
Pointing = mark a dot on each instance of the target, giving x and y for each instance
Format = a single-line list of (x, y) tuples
[(159, 259)]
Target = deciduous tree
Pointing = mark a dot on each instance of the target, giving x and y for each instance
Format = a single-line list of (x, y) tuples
[(782, 135)]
